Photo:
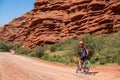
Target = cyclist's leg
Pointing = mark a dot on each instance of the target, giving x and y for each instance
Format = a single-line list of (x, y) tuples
[(78, 66), (82, 63), (86, 65)]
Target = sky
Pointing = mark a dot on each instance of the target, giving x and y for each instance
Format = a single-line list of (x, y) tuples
[(10, 9)]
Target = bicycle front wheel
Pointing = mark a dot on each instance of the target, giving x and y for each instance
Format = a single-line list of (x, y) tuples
[(86, 66)]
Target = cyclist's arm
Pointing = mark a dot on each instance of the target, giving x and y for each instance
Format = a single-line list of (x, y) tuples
[(87, 51)]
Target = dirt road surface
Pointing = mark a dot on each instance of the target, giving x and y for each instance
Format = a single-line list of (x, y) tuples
[(15, 67)]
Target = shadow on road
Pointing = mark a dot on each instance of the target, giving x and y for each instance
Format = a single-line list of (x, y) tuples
[(92, 73)]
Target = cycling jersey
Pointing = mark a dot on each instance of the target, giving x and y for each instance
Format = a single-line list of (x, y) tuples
[(83, 51)]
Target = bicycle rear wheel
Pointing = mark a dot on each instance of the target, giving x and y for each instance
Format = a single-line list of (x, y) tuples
[(78, 68)]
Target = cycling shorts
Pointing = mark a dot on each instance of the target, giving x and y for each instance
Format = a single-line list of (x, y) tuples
[(83, 58)]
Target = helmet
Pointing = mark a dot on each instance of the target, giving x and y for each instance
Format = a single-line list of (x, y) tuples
[(81, 43)]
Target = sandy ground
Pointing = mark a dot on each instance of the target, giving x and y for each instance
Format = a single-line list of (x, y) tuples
[(15, 67)]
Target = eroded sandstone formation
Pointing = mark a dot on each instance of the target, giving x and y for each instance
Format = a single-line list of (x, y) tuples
[(56, 20)]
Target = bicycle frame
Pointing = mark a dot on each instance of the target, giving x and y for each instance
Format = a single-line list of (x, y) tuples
[(84, 68)]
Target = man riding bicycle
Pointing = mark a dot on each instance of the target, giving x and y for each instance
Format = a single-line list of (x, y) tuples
[(84, 53)]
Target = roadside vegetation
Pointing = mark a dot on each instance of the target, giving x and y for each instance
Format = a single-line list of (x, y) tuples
[(102, 48)]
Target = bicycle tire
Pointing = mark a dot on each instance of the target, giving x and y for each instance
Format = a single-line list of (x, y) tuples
[(78, 68), (86, 66)]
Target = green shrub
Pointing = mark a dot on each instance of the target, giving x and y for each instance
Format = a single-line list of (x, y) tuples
[(57, 58), (18, 45), (118, 59), (10, 45), (69, 58), (60, 46), (32, 54), (7, 46), (22, 51), (72, 45), (3, 47), (14, 46), (39, 51), (53, 48), (93, 60), (2, 50), (46, 56), (75, 50), (54, 58), (102, 61), (57, 47)]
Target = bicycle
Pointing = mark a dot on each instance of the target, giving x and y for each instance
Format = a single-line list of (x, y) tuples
[(84, 67)]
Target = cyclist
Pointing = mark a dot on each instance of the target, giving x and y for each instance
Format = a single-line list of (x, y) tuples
[(84, 53)]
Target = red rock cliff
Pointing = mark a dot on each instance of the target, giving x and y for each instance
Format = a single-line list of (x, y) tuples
[(56, 20)]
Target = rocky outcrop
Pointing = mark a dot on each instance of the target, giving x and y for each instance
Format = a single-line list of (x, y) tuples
[(56, 20), (1, 26)]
